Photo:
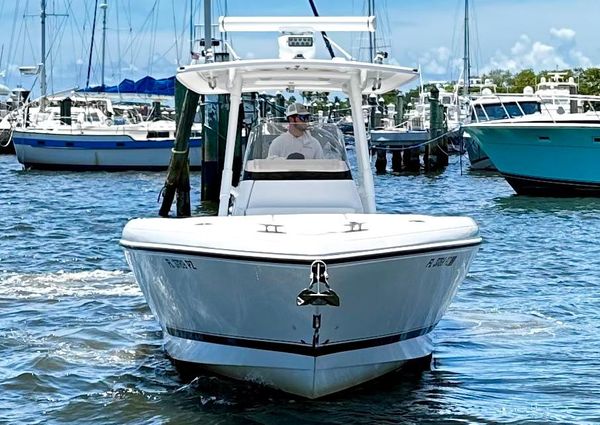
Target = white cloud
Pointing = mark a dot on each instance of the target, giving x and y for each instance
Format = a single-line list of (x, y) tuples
[(521, 46), (563, 33), (437, 61), (526, 53)]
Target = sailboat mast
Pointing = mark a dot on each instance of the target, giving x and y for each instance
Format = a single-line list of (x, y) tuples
[(103, 6), (89, 70), (371, 11), (192, 26), (466, 59), (43, 63)]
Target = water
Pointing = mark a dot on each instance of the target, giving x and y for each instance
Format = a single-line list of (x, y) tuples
[(78, 343)]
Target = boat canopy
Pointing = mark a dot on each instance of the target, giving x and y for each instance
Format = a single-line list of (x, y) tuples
[(293, 74), (333, 75), (146, 85)]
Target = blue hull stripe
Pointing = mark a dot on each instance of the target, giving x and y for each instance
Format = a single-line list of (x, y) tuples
[(94, 167), (301, 349), (100, 144)]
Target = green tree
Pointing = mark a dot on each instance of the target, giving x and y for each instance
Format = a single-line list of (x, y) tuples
[(589, 81), (390, 97), (502, 79), (523, 79)]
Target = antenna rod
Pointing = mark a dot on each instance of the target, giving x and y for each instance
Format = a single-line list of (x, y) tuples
[(323, 33), (207, 30)]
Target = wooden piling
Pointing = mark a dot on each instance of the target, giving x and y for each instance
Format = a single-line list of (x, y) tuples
[(397, 161), (178, 179), (381, 160), (211, 177), (399, 101), (438, 156)]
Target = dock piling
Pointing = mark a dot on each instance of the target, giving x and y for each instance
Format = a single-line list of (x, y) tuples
[(178, 179), (435, 154)]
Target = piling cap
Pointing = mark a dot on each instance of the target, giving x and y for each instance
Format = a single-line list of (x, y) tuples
[(296, 109)]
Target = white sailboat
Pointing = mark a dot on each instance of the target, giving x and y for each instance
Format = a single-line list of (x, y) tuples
[(83, 138), (95, 134), (298, 283)]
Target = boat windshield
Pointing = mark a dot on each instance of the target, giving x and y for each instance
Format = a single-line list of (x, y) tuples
[(314, 151), (499, 111)]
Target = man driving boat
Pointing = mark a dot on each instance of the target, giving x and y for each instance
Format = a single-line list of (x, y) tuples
[(296, 143)]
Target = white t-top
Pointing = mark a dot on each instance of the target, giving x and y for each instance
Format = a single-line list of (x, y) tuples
[(286, 144)]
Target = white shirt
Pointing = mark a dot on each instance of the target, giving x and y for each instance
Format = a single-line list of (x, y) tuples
[(286, 144)]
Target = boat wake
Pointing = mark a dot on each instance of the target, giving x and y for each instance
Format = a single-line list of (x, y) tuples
[(62, 284)]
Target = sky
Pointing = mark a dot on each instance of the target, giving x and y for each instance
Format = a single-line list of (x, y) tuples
[(151, 37)]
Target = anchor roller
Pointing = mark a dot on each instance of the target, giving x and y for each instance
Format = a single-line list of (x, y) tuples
[(318, 278)]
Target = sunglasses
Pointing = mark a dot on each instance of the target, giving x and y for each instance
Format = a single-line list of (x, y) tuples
[(304, 118)]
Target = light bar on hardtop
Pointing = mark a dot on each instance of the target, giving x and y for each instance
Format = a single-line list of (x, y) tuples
[(296, 23)]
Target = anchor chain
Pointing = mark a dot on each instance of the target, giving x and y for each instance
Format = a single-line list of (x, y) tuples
[(316, 327)]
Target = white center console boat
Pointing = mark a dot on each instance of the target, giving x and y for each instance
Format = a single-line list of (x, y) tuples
[(298, 283)]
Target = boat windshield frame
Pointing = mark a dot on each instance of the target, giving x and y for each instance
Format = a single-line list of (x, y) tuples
[(259, 164)]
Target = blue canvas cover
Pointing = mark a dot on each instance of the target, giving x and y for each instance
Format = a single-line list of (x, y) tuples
[(146, 85)]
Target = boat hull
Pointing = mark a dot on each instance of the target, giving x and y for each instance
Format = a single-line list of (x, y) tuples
[(544, 159), (305, 376), (238, 316), (87, 152), (478, 158), (525, 185)]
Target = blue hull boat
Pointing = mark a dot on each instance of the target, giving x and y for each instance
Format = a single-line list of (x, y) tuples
[(544, 157)]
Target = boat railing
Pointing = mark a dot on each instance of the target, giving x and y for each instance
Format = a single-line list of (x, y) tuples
[(583, 102), (404, 124), (58, 123)]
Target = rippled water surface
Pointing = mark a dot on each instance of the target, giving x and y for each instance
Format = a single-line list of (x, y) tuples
[(79, 344)]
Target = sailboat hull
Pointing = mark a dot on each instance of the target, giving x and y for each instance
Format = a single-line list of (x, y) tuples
[(86, 152)]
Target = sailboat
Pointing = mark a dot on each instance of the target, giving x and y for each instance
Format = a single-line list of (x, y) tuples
[(299, 283), (88, 132), (78, 131)]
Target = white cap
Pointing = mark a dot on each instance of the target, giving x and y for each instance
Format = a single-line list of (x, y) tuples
[(296, 109)]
